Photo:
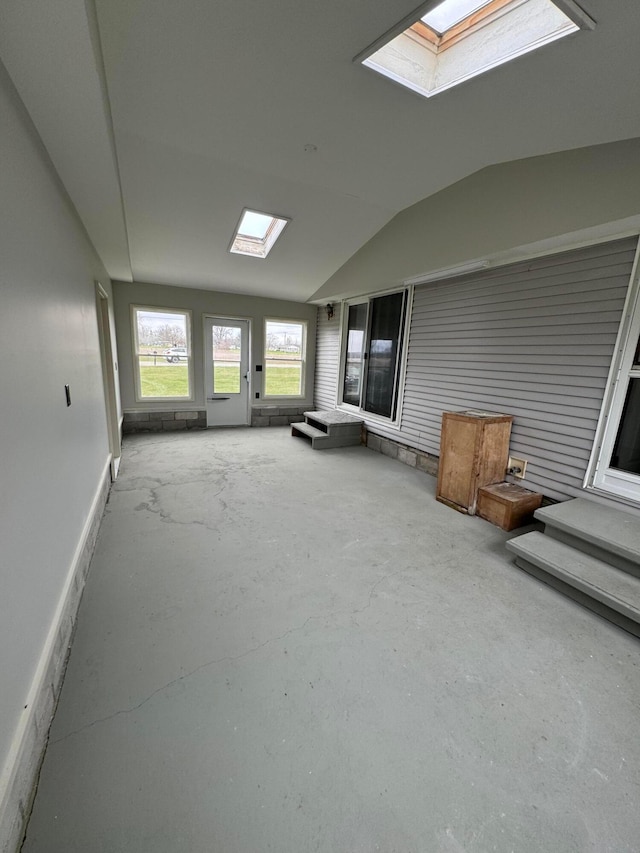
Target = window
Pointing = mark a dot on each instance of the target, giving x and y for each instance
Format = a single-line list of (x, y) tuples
[(460, 39), (615, 459), (162, 353), (452, 12), (284, 358), (256, 233), (372, 354)]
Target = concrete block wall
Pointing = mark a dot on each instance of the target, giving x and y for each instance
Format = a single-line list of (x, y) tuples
[(163, 421), (278, 415), (403, 453)]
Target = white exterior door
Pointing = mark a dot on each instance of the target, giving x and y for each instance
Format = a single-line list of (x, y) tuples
[(226, 371)]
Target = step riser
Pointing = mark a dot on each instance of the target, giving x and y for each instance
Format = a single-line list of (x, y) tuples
[(334, 441), (593, 550), (580, 597)]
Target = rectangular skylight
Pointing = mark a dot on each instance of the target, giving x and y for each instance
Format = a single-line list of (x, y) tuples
[(451, 12), (256, 233), (460, 39)]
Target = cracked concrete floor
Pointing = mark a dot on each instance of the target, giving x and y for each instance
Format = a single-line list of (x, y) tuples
[(287, 650)]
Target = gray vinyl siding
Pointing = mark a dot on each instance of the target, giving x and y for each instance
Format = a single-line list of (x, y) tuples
[(534, 340), (327, 359)]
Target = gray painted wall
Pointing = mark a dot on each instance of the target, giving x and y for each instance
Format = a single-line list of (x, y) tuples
[(202, 302), (495, 210), (52, 456)]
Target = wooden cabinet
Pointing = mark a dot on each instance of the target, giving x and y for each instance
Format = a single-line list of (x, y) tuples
[(474, 452)]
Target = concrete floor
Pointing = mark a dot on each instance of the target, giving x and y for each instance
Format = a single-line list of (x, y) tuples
[(288, 650)]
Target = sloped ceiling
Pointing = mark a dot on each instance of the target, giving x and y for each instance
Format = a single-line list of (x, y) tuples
[(165, 119)]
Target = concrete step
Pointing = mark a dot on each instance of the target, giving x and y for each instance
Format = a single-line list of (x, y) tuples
[(306, 430), (321, 440), (334, 422), (609, 534), (601, 587)]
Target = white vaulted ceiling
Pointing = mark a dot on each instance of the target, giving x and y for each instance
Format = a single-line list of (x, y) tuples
[(165, 119)]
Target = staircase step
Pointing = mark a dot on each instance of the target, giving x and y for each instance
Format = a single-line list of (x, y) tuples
[(321, 440), (335, 423), (307, 430), (595, 584), (608, 534)]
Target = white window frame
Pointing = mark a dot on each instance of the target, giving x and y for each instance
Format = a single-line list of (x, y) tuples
[(303, 359), (618, 485), (393, 423), (188, 314), (258, 247), (429, 62)]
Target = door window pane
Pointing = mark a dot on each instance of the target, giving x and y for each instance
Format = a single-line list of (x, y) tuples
[(225, 357), (384, 346), (354, 363), (626, 452)]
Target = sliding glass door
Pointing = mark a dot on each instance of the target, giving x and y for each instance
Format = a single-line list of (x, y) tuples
[(372, 354)]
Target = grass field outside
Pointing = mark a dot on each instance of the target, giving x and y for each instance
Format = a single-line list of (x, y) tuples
[(172, 380), (226, 378), (281, 381)]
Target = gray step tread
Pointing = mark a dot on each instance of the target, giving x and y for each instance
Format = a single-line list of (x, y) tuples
[(320, 439), (334, 418), (611, 529), (617, 589), (307, 429)]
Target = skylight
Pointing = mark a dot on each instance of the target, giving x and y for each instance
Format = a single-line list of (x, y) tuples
[(451, 12), (457, 40), (256, 233)]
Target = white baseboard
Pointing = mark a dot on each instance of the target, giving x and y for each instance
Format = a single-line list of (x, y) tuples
[(19, 774)]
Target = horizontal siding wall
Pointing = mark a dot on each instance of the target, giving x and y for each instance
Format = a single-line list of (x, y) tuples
[(327, 359), (534, 340)]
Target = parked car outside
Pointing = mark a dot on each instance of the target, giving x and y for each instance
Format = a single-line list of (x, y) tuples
[(175, 354)]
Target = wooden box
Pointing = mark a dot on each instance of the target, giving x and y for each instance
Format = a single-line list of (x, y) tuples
[(474, 452), (507, 505)]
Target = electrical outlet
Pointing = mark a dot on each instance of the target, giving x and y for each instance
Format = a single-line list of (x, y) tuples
[(515, 462)]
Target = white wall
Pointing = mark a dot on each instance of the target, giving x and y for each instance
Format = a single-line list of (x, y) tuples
[(52, 458), (496, 210), (327, 359), (202, 302)]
